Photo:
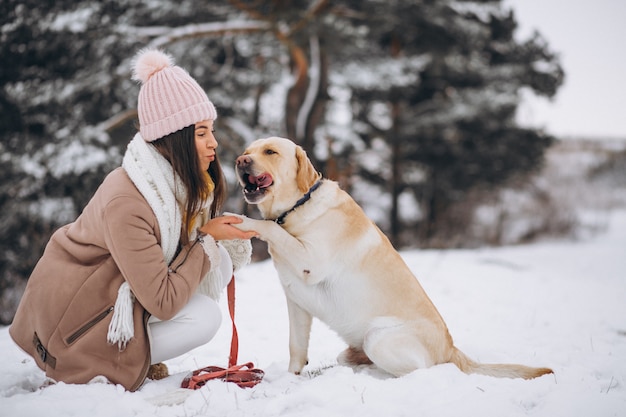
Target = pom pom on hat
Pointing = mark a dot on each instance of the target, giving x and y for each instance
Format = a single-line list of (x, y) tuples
[(169, 98), (149, 61)]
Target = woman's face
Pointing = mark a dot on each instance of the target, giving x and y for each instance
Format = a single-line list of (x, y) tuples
[(205, 143)]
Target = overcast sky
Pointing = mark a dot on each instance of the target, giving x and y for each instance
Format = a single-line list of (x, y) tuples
[(590, 37)]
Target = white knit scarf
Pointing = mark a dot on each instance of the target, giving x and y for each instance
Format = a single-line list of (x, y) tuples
[(155, 179)]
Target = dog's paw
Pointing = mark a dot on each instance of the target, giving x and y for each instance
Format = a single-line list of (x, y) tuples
[(247, 224), (228, 213), (241, 216), (296, 366)]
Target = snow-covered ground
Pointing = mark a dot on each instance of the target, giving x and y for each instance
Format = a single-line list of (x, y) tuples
[(556, 304)]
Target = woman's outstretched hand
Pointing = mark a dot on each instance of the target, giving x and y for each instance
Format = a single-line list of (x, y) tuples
[(221, 229)]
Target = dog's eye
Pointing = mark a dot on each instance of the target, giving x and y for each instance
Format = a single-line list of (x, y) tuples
[(270, 151)]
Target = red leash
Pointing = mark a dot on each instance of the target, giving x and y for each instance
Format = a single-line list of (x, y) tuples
[(245, 375), (234, 340)]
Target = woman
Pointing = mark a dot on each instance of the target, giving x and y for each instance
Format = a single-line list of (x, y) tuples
[(119, 289)]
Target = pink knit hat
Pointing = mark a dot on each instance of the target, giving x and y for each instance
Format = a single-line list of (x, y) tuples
[(169, 99)]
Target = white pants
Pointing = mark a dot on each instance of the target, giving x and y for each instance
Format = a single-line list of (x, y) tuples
[(194, 325)]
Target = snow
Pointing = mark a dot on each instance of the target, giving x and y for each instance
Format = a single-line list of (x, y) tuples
[(384, 73), (555, 303), (75, 21)]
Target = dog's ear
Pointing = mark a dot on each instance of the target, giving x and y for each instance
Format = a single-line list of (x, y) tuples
[(306, 175)]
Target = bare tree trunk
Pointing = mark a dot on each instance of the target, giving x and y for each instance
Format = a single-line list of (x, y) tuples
[(396, 158), (306, 99), (297, 91), (396, 177)]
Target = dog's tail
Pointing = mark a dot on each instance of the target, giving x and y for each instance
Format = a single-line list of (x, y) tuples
[(468, 366)]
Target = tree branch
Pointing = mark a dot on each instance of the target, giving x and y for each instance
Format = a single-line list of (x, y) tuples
[(167, 35), (248, 9), (313, 11), (117, 120)]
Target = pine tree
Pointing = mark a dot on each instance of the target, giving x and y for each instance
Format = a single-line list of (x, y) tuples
[(398, 99), (440, 86)]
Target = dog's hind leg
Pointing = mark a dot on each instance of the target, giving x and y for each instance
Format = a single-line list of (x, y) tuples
[(395, 347), (353, 356)]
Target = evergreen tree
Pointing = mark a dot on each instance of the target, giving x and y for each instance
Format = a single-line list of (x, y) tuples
[(398, 99), (67, 107), (439, 86)]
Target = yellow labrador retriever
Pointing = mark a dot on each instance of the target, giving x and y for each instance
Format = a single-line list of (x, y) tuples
[(335, 264)]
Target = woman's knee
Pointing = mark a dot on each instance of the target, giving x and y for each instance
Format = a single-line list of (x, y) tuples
[(195, 325), (207, 317)]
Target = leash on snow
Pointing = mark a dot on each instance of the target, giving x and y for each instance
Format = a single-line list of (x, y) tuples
[(245, 375)]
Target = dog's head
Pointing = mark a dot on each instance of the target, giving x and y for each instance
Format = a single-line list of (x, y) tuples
[(274, 173)]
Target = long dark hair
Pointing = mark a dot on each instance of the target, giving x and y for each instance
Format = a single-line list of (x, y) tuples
[(179, 149)]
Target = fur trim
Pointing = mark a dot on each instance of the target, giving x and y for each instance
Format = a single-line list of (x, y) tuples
[(240, 252), (211, 284), (210, 248)]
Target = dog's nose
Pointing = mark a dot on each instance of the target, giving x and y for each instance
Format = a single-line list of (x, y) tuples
[(243, 161)]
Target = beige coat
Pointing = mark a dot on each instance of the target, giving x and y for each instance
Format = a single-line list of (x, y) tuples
[(64, 314)]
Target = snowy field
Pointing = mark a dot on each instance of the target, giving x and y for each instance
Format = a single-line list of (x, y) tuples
[(557, 304)]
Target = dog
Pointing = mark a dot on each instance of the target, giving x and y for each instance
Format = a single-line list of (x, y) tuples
[(335, 264)]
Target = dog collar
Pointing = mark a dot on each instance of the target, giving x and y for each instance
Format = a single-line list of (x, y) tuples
[(281, 219)]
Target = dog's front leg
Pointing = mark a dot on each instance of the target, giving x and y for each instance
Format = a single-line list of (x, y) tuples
[(299, 332), (290, 250)]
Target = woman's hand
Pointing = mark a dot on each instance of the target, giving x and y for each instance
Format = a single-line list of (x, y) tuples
[(221, 229)]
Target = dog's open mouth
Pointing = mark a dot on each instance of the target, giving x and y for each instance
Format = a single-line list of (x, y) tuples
[(256, 186)]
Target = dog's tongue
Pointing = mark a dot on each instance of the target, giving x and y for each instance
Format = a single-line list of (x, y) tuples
[(261, 181)]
